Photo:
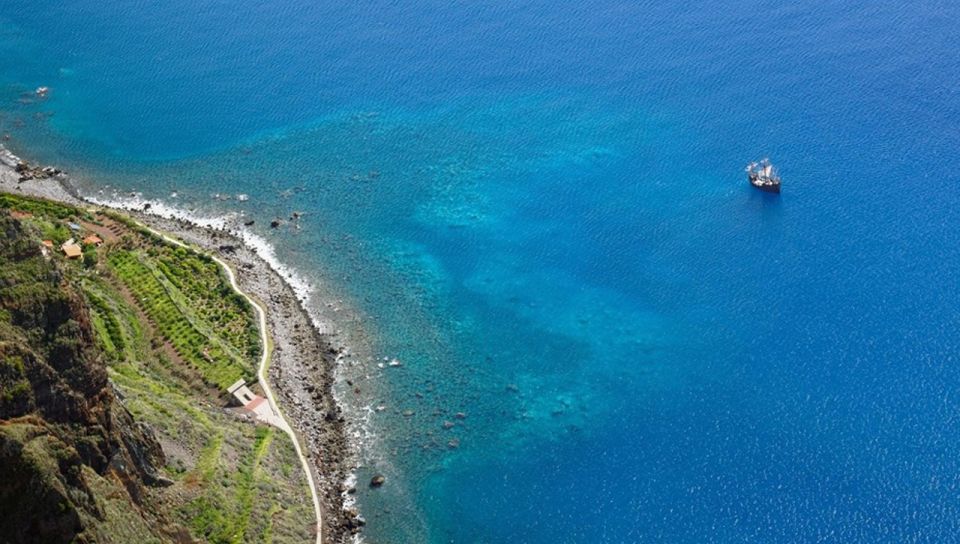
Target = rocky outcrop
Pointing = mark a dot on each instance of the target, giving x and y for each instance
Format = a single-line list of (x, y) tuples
[(61, 424), (26, 170)]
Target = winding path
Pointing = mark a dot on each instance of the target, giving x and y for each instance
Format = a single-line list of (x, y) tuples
[(278, 421)]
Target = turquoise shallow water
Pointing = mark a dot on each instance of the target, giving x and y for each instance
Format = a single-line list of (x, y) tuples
[(539, 210)]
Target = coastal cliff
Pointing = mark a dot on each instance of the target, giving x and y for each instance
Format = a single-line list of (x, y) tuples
[(64, 438), (115, 420)]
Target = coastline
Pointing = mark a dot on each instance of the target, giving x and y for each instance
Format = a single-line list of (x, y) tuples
[(302, 358)]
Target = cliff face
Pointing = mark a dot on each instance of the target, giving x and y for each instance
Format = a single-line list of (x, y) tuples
[(64, 435)]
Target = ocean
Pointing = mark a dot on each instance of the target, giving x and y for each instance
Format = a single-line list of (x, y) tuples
[(539, 210)]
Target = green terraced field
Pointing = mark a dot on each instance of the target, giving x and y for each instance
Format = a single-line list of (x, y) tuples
[(201, 343)]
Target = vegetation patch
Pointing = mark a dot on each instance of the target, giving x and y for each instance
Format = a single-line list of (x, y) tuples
[(36, 206), (206, 353), (206, 288)]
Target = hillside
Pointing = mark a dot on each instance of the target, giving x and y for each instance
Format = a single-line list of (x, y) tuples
[(115, 425)]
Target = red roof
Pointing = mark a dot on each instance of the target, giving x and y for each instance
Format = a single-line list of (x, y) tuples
[(252, 405)]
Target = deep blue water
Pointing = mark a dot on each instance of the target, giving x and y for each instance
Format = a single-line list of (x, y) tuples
[(539, 208)]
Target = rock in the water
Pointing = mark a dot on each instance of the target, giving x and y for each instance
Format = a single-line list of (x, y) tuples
[(378, 480), (354, 521)]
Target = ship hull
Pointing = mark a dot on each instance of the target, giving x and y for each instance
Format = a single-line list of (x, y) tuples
[(771, 188), (766, 185)]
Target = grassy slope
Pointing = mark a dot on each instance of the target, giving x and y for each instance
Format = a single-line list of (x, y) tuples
[(234, 481)]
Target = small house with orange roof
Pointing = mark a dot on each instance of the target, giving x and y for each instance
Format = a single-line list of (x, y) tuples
[(92, 240)]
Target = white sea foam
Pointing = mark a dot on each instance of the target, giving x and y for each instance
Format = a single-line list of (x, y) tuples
[(229, 223)]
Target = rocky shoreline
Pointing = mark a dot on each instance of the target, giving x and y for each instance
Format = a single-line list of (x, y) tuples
[(304, 360)]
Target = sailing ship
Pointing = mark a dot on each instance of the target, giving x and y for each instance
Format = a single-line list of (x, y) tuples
[(763, 176)]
